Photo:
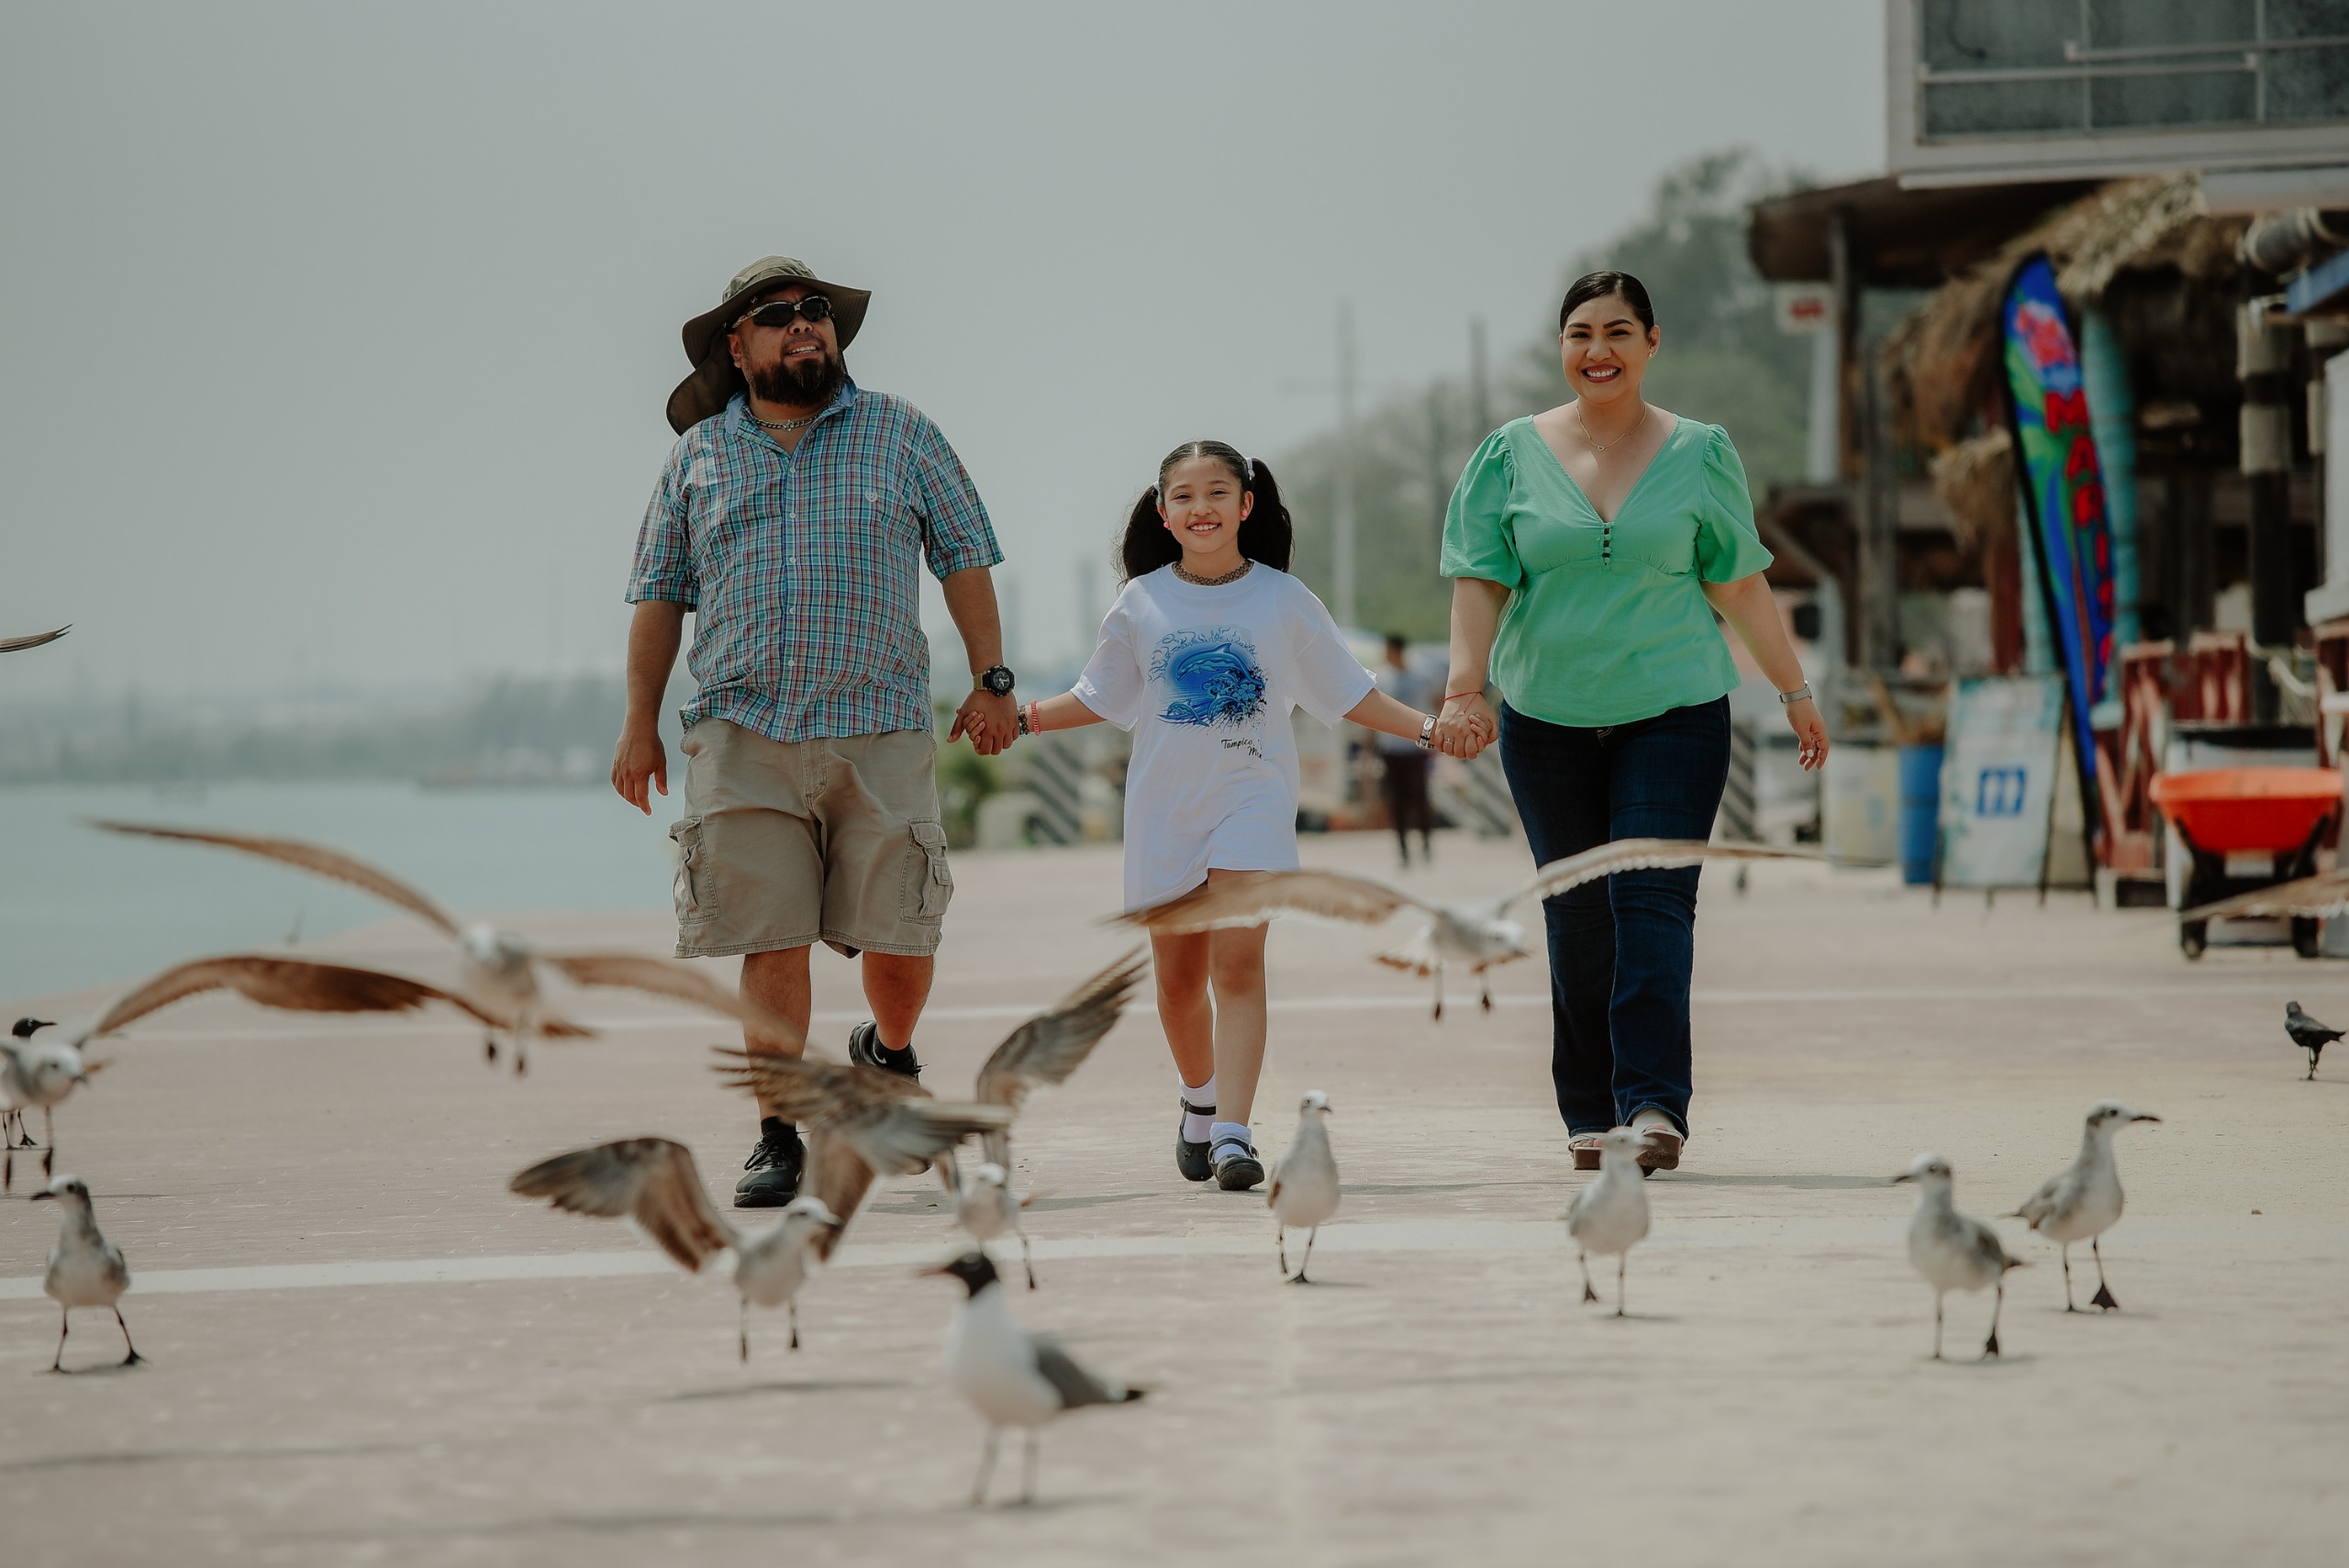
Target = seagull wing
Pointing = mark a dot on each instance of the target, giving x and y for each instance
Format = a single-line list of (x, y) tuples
[(1077, 1383), (2053, 1195), (1255, 897), (2312, 897), (1054, 1043), (315, 858), (649, 1180), (1640, 854), (837, 1174), (890, 1122), (667, 977), (18, 644), (296, 985)]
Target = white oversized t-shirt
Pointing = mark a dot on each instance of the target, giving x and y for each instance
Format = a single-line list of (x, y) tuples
[(1205, 678)]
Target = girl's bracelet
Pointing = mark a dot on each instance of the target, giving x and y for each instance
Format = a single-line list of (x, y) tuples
[(1032, 720)]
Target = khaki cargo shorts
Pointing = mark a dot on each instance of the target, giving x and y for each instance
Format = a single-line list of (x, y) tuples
[(787, 843)]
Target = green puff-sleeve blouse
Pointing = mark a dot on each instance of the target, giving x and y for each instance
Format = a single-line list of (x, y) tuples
[(1607, 623)]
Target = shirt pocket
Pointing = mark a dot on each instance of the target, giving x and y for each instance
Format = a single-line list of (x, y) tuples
[(929, 885)]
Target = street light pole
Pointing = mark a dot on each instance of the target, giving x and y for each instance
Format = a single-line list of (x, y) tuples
[(1342, 512)]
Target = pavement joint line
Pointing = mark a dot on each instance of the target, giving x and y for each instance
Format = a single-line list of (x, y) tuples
[(1709, 1233), (1699, 997)]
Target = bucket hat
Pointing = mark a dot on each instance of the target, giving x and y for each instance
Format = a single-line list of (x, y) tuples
[(714, 380)]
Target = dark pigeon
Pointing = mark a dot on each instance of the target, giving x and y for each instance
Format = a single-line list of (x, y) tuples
[(2307, 1034)]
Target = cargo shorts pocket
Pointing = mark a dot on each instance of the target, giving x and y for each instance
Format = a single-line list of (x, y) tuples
[(693, 869), (928, 884)]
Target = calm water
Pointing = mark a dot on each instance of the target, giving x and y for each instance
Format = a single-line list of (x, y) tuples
[(80, 908)]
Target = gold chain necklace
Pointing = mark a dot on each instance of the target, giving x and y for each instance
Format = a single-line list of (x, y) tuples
[(1232, 576), (1595, 447)]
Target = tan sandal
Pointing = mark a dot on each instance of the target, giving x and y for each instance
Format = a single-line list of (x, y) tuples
[(1665, 1141), (1584, 1147)]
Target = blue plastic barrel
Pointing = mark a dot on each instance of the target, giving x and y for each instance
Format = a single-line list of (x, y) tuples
[(1920, 805)]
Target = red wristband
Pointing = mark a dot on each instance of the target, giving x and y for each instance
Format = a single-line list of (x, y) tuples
[(1450, 695)]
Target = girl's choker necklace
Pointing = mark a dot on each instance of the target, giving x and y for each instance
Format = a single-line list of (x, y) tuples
[(1231, 576)]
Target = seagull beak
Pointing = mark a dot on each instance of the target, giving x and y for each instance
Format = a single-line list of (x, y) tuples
[(44, 1195), (938, 1269), (1904, 1177), (2141, 1115)]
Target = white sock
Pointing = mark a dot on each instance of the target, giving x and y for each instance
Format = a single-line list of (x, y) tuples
[(1232, 1129), (1195, 1127)]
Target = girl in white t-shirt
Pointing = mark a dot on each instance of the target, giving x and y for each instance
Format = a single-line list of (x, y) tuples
[(1202, 657)]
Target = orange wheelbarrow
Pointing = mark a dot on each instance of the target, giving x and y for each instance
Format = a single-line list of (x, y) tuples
[(2247, 829)]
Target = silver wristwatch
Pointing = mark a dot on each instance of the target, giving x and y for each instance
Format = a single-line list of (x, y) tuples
[(1800, 694), (1427, 734)]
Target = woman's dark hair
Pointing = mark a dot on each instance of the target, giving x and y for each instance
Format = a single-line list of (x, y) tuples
[(1598, 285), (1265, 536)]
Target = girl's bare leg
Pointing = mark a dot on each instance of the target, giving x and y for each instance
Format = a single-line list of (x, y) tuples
[(1180, 964), (1236, 961)]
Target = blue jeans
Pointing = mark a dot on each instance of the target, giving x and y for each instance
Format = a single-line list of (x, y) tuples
[(1620, 950)]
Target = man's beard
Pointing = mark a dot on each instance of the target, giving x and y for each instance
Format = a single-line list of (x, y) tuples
[(800, 384)]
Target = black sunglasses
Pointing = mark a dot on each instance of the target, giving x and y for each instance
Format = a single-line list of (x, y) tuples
[(779, 313)]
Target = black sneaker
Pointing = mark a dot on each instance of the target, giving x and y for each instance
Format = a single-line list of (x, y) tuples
[(1237, 1169), (770, 1176), (1190, 1158), (864, 1049)]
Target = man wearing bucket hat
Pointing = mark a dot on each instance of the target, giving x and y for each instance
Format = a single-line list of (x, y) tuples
[(789, 521)]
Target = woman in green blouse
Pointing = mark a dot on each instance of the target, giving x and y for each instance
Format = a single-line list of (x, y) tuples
[(1591, 547)]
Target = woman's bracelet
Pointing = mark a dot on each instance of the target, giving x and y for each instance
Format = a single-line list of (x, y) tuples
[(1455, 696)]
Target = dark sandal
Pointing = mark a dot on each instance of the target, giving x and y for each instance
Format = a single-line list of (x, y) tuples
[(1191, 1159)]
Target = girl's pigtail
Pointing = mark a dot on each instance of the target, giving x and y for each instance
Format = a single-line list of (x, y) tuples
[(1267, 535)]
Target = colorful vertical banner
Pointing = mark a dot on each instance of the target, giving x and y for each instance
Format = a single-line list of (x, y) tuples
[(2062, 486)]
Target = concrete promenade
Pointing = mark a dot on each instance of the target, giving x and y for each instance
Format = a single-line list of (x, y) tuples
[(365, 1352)]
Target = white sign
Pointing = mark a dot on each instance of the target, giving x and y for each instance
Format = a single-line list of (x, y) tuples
[(1996, 779), (1804, 307)]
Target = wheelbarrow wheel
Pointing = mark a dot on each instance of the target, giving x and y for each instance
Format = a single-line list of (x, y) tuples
[(2307, 933), (2193, 936)]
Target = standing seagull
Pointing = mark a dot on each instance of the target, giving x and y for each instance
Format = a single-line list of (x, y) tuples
[(1952, 1251), (84, 1268), (2081, 1202), (1609, 1216), (1473, 932), (1304, 1192), (2307, 1034), (43, 1074), (18, 644), (654, 1182), (1011, 1376), (500, 969)]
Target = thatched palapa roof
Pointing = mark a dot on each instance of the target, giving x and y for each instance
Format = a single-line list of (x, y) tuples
[(1943, 362)]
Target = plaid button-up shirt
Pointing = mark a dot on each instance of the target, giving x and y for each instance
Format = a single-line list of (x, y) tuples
[(799, 567)]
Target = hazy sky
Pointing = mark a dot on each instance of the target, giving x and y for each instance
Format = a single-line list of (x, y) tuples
[(334, 339)]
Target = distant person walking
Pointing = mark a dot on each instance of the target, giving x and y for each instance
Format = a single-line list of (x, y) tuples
[(789, 521), (1591, 547), (1208, 649), (1402, 760)]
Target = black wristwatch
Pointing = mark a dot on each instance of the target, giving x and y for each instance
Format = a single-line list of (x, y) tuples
[(995, 678)]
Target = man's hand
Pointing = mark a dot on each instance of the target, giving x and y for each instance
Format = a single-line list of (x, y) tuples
[(992, 722), (637, 759)]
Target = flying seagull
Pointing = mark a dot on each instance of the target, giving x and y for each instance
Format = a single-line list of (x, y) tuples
[(891, 1123), (84, 1268), (1476, 933), (18, 644), (2307, 1034), (1011, 1376), (36, 1073), (1953, 1250), (500, 969), (652, 1181), (1043, 1050), (1611, 1214), (1304, 1192), (2082, 1201), (983, 1206)]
